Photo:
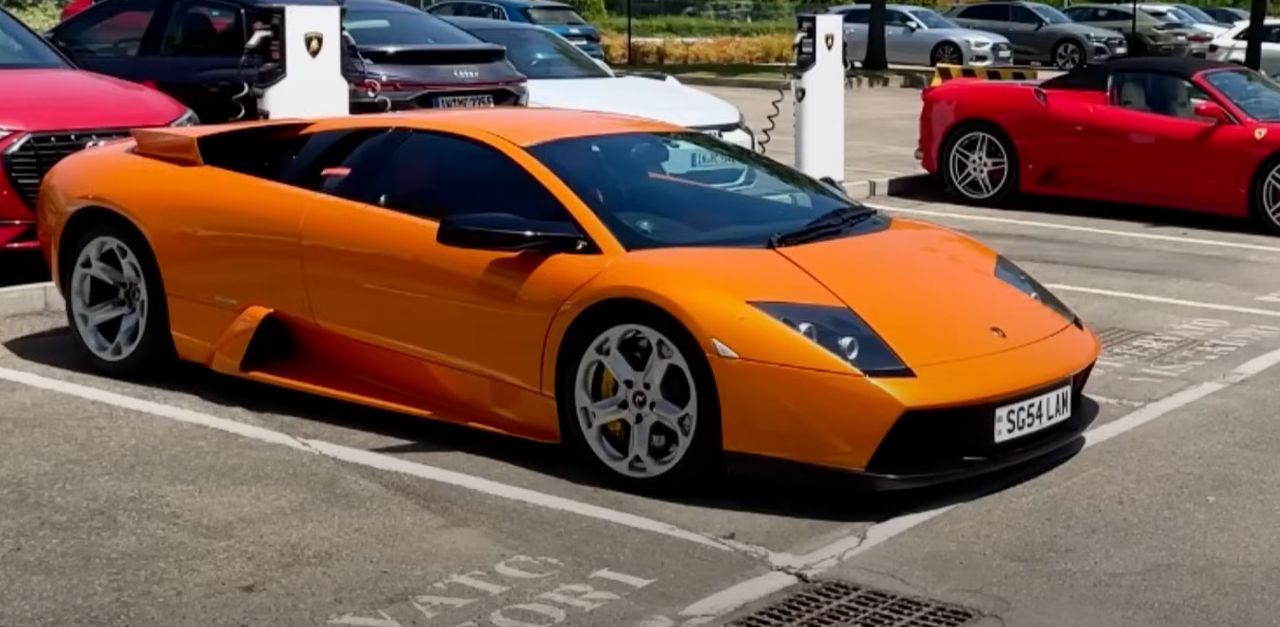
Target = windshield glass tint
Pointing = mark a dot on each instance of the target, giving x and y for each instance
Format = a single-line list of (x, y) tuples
[(400, 28), (552, 16), (656, 190), (1196, 15), (541, 54), (1050, 14), (19, 48), (1256, 95), (931, 19)]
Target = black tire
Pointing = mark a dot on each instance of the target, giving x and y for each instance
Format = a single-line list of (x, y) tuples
[(1062, 58), (1259, 195), (701, 463), (943, 51), (154, 348), (956, 186)]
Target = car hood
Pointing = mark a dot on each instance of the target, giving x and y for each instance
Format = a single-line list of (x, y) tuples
[(968, 33), (662, 100), (65, 99), (929, 292)]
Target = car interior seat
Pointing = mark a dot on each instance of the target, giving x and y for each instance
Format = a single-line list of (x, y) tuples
[(1133, 96)]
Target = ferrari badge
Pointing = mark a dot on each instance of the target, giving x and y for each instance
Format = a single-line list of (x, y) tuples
[(1259, 133), (830, 40), (314, 42)]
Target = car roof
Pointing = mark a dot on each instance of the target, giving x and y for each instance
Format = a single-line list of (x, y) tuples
[(519, 3), (522, 126), (1096, 77)]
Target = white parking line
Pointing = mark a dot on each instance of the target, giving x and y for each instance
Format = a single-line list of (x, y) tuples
[(1165, 300), (794, 568), (363, 458), (1081, 229)]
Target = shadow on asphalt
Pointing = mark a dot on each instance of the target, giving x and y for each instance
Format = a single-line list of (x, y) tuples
[(1148, 216), (821, 495), (20, 267)]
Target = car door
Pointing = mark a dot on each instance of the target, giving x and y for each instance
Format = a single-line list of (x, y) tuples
[(900, 46), (1024, 33), (111, 37), (198, 60), (855, 34), (992, 17), (476, 320)]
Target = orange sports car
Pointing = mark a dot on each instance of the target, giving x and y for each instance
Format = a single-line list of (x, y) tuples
[(649, 295)]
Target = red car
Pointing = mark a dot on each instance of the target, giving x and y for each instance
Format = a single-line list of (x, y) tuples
[(1172, 131), (49, 109)]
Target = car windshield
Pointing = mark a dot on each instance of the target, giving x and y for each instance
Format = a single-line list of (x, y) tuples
[(400, 28), (1198, 16), (931, 19), (542, 54), (554, 16), (1255, 94), (657, 190), (21, 49), (1050, 14)]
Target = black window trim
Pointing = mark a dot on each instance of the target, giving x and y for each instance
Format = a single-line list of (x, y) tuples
[(150, 36), (171, 13)]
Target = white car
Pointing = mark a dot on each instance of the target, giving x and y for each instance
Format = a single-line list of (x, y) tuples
[(1230, 46), (1178, 15), (562, 76)]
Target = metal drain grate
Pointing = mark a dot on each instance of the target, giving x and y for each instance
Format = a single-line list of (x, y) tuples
[(839, 604)]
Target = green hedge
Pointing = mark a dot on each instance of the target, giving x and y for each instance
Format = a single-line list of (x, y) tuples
[(683, 26), (40, 15)]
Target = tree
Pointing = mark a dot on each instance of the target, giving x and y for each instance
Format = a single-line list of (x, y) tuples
[(876, 59), (1253, 49)]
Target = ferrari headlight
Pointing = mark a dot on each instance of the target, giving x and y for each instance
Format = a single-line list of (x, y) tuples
[(186, 119), (841, 332), (1010, 273)]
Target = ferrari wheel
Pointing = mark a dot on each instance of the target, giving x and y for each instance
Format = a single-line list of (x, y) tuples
[(1266, 196), (1068, 55), (115, 303), (979, 163), (946, 53), (638, 400)]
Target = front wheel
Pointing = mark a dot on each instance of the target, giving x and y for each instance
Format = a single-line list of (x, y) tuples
[(638, 400), (1264, 200), (1068, 55), (979, 164), (946, 53)]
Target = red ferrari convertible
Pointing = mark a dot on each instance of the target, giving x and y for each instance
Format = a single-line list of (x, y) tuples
[(1175, 132)]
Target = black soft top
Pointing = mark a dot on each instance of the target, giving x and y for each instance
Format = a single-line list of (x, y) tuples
[(1095, 77)]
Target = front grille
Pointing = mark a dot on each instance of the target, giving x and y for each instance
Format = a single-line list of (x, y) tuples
[(27, 161), (840, 604), (937, 440)]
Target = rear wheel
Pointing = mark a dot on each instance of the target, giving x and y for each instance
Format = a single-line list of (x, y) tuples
[(637, 400), (946, 53), (979, 164), (115, 302), (1068, 55), (1264, 199)]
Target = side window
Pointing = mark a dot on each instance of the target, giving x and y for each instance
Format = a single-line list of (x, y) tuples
[(108, 29), (991, 12), (895, 18), (204, 28), (342, 163), (491, 11), (1023, 15), (447, 8), (1161, 94), (856, 16), (434, 175)]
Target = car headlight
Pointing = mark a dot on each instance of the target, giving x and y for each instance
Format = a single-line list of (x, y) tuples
[(4, 132), (1010, 273), (979, 44), (186, 119), (842, 333), (1096, 38)]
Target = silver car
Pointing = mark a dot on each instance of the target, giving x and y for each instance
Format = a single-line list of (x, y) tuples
[(920, 36)]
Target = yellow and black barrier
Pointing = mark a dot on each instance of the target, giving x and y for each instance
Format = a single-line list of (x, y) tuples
[(943, 73)]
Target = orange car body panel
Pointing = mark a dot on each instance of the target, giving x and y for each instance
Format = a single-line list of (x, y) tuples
[(384, 315)]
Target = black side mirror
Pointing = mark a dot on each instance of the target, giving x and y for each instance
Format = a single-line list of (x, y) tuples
[(504, 231)]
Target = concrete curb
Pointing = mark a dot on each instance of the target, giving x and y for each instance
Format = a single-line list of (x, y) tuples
[(890, 186), (29, 299)]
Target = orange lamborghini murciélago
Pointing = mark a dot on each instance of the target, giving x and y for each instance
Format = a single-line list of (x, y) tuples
[(647, 294)]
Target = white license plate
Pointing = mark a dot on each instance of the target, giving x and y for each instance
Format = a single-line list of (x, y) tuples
[(1003, 53), (456, 102), (1122, 50), (1033, 414), (705, 159)]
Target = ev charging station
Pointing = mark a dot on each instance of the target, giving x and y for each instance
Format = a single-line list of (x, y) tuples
[(819, 96), (311, 43)]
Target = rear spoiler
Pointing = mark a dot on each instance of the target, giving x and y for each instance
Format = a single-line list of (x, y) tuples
[(182, 145)]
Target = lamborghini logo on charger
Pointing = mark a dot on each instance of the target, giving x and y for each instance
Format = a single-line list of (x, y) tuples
[(314, 42), (830, 40)]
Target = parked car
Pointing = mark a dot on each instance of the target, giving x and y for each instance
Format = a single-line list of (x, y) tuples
[(920, 36), (50, 109), (1157, 131), (1154, 37), (1230, 46), (561, 75), (1041, 34), (1199, 16), (1227, 15), (557, 17), (194, 50)]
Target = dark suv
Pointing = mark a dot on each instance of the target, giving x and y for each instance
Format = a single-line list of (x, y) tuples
[(195, 51), (1041, 34)]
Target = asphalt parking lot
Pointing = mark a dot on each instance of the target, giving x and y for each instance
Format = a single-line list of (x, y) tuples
[(203, 500)]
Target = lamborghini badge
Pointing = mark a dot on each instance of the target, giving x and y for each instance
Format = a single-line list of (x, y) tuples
[(314, 42)]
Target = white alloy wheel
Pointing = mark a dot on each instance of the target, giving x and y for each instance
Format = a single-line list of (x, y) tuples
[(635, 401), (947, 53), (1068, 55), (978, 165), (107, 298), (1269, 197)]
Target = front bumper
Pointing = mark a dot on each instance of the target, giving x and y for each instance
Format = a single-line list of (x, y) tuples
[(1101, 51), (996, 54), (17, 221)]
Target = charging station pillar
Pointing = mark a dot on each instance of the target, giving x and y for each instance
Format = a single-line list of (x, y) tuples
[(313, 84), (819, 95)]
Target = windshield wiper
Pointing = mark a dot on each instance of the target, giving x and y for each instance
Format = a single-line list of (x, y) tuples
[(829, 224)]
